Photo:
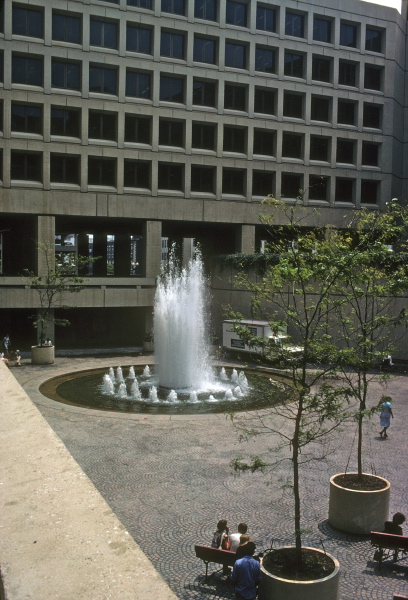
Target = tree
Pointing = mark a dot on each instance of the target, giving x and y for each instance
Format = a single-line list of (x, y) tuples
[(58, 280)]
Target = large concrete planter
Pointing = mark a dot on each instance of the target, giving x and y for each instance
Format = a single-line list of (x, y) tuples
[(277, 588), (355, 511), (42, 355)]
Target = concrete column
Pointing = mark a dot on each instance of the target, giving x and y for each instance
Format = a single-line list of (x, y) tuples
[(188, 250), (45, 243), (152, 232), (245, 239), (83, 250), (100, 250), (122, 255)]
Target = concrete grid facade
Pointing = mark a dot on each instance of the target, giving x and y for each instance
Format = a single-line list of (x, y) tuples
[(173, 119)]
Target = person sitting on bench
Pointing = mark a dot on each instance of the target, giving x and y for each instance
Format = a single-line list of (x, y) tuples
[(394, 526)]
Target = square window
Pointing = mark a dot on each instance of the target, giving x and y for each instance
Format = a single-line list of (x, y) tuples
[(138, 129), (347, 73), (319, 148), (266, 18), (346, 112), (172, 44), (344, 190), (172, 89), (345, 152), (175, 7), (374, 40), (27, 22), (264, 101), (235, 97), (320, 109), (203, 136), (171, 177), (102, 125), (321, 69), (372, 115), (292, 145), (234, 139), (235, 55), (171, 133), (138, 84), (138, 39), (65, 75), (26, 166), (27, 70), (66, 28), (233, 181), (318, 187), (236, 13), (263, 183), (291, 185), (136, 174), (205, 9), (294, 24), (103, 34), (264, 142), (203, 179), (26, 118), (65, 121), (140, 3), (265, 60), (204, 93), (101, 171), (205, 50), (348, 35), (65, 168), (369, 155), (293, 105), (369, 191), (373, 77), (322, 30), (102, 80), (293, 65)]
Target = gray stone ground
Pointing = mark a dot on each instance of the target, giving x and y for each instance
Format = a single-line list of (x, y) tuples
[(169, 481)]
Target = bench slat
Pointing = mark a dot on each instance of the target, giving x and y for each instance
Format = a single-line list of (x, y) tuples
[(389, 541), (215, 555)]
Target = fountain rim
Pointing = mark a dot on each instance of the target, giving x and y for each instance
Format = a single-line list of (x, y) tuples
[(277, 375)]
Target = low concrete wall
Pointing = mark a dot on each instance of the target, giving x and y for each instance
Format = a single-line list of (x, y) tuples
[(59, 538)]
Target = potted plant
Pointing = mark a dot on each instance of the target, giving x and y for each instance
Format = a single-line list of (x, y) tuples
[(51, 288)]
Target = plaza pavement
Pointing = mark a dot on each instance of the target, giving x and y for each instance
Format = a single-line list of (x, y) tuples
[(168, 480)]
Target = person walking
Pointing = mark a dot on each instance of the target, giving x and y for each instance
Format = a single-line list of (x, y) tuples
[(246, 575), (385, 417), (6, 343)]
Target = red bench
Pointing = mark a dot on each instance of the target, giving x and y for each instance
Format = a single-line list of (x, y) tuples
[(214, 555), (388, 541)]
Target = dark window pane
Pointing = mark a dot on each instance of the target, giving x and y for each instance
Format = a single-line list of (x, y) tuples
[(265, 60), (233, 181), (322, 30), (320, 109), (103, 34), (345, 152), (234, 139), (293, 65), (373, 78), (65, 122), (171, 89), (102, 126), (101, 171), (102, 80), (266, 19), (64, 169), (347, 73), (202, 179), (170, 177), (205, 9), (26, 166), (172, 45), (203, 136), (318, 187), (204, 93), (370, 154), (264, 142), (136, 173), (321, 69), (25, 118), (319, 148), (171, 133), (346, 112), (292, 146), (291, 185), (264, 101), (138, 39), (294, 24), (372, 116), (369, 191), (236, 13), (293, 105), (66, 28), (235, 55), (373, 40), (140, 3), (263, 183), (175, 7), (138, 85), (205, 50), (28, 22), (65, 75), (235, 97), (137, 129), (27, 70), (344, 190), (348, 35)]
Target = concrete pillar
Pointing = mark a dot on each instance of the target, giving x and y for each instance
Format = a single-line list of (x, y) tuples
[(245, 239), (83, 251), (122, 255), (152, 232), (188, 250), (45, 243), (100, 250)]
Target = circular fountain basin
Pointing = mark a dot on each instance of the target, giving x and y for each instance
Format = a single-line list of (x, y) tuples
[(88, 389)]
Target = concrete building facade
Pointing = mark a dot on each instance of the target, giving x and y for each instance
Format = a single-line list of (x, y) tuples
[(128, 125)]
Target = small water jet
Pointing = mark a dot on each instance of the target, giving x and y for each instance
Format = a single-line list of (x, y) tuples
[(131, 373)]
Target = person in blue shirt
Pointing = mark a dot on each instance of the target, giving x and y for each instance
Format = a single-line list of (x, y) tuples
[(246, 574)]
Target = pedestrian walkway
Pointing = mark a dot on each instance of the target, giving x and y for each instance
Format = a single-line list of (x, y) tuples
[(169, 481)]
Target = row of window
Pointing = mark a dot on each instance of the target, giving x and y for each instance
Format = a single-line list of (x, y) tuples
[(67, 27), (137, 174)]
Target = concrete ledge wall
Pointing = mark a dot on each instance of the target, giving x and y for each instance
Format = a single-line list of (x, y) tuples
[(59, 538)]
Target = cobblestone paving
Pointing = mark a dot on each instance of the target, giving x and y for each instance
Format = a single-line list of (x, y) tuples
[(168, 480)]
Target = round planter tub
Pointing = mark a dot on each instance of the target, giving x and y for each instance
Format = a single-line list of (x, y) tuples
[(273, 587), (42, 355), (355, 511)]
